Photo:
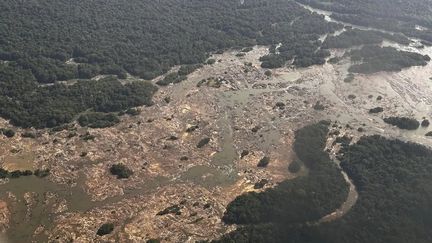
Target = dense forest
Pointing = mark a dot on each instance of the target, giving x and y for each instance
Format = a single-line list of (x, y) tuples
[(27, 104), (399, 16), (375, 59), (395, 193), (42, 42), (356, 37), (292, 202), (144, 38)]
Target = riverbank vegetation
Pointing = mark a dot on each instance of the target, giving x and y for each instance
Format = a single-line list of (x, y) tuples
[(47, 42), (403, 122), (393, 181), (398, 16), (63, 40), (356, 37), (27, 104), (375, 59), (300, 200)]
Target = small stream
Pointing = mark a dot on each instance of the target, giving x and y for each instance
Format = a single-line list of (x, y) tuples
[(346, 205)]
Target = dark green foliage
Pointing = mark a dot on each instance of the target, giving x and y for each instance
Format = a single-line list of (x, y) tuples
[(105, 229), (256, 128), (268, 73), (376, 110), (143, 38), (8, 133), (318, 106), (192, 128), (294, 166), (153, 241), (18, 173), (263, 162), (334, 60), (42, 173), (27, 173), (98, 120), (171, 78), (14, 174), (133, 111), (3, 173), (121, 171), (247, 49), (260, 184), (175, 209), (356, 37), (300, 42), (86, 71), (28, 105), (280, 105), (392, 15), (28, 135), (425, 123), (393, 180), (272, 61), (244, 153), (298, 200), (375, 59), (349, 78), (203, 142), (403, 122), (188, 69), (87, 136), (211, 61)]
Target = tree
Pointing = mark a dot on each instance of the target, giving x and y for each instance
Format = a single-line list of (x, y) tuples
[(105, 229), (121, 171)]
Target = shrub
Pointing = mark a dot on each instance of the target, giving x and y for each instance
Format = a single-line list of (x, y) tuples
[(15, 174), (171, 78), (376, 110), (244, 153), (28, 135), (203, 142), (403, 122), (318, 106), (188, 69), (9, 133), (247, 49), (3, 173), (211, 61), (133, 112), (42, 173), (105, 229), (264, 162), (98, 120), (175, 209), (294, 167), (121, 171), (260, 184)]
